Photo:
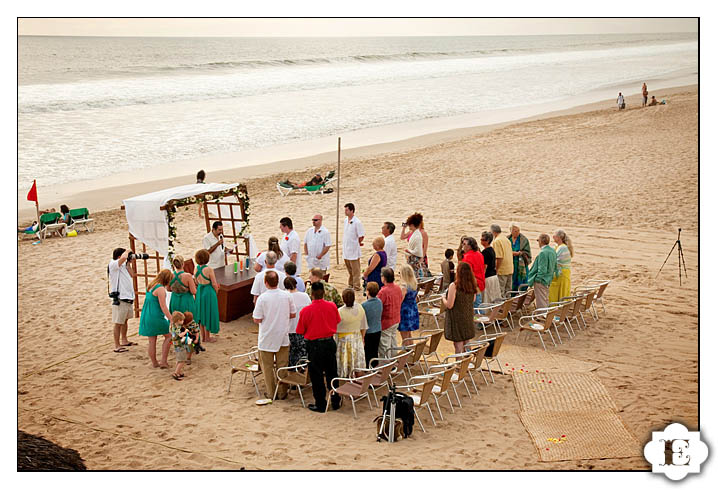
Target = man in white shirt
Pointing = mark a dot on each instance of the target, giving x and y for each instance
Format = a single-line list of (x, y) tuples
[(213, 242), (290, 244), (273, 312), (258, 286), (120, 277), (317, 241), (387, 229), (351, 246)]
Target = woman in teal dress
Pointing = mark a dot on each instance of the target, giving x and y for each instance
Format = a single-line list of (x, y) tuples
[(155, 317), (206, 301), (183, 288)]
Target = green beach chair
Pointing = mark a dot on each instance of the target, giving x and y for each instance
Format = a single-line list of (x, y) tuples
[(81, 216), (285, 188), (52, 223)]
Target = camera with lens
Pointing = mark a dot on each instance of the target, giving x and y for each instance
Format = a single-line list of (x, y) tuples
[(131, 256), (115, 295)]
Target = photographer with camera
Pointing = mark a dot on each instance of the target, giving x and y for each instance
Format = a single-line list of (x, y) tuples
[(122, 292)]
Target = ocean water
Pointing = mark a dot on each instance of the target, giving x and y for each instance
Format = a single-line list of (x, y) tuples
[(91, 107)]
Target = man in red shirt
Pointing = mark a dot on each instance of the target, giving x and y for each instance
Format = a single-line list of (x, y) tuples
[(473, 257), (318, 323)]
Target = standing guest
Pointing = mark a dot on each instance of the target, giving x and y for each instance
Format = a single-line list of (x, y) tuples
[(459, 302), (376, 263), (182, 342), (644, 92), (425, 243), (542, 271), (120, 277), (291, 245), (492, 291), (415, 251), (621, 101), (183, 288), (521, 250), (259, 284), (272, 246), (504, 260), (318, 323), (409, 312), (350, 336), (200, 180), (317, 242), (476, 261), (297, 345), (155, 318), (561, 285), (391, 297), (330, 292), (273, 312), (460, 249), (213, 242), (447, 269), (372, 310), (290, 270), (387, 229), (206, 306), (351, 246)]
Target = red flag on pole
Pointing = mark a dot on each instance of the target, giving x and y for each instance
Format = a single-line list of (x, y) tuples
[(32, 195)]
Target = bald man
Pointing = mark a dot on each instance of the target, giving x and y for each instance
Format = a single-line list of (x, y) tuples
[(317, 242)]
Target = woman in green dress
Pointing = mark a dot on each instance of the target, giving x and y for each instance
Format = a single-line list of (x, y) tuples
[(206, 301), (183, 288), (155, 317)]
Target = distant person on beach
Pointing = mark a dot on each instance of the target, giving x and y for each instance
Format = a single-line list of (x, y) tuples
[(644, 91), (351, 246), (317, 242), (120, 277), (206, 305), (272, 246), (155, 318), (318, 323), (65, 212), (200, 180), (291, 244), (542, 271), (387, 230), (273, 312), (655, 102), (620, 101)]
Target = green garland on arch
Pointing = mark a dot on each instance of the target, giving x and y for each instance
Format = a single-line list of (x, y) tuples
[(240, 192)]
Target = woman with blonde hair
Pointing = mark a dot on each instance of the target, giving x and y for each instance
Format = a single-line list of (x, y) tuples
[(376, 262), (272, 246), (206, 303), (183, 288), (409, 313), (561, 285), (350, 336), (155, 317)]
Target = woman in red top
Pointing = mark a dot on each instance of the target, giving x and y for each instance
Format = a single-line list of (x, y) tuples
[(473, 257)]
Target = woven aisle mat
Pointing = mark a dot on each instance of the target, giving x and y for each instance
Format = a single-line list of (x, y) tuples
[(551, 392), (580, 434), (513, 358)]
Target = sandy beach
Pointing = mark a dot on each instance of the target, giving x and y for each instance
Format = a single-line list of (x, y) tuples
[(619, 183)]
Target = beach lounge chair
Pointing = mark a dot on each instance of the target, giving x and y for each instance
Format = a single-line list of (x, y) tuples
[(540, 321), (382, 373), (81, 216), (51, 223), (248, 364), (353, 388), (420, 389), (294, 376), (285, 188)]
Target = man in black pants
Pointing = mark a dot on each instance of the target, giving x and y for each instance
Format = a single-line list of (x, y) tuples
[(318, 323)]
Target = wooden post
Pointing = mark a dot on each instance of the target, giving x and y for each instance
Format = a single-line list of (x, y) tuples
[(37, 214), (339, 186)]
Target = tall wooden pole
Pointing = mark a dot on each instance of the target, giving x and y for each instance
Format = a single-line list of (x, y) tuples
[(339, 186), (37, 213)]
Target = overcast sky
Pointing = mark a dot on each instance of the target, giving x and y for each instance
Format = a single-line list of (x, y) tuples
[(345, 27)]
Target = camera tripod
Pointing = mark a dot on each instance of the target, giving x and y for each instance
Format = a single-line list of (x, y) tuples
[(681, 259)]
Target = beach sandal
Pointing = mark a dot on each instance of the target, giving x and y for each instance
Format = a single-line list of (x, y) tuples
[(176, 377), (120, 349), (128, 344)]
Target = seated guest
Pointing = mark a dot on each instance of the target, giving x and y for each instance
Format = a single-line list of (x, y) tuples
[(376, 262), (350, 336), (258, 286), (492, 291), (447, 269), (272, 246), (318, 323), (297, 345), (290, 269), (459, 301), (409, 312), (273, 312), (65, 212), (330, 292), (391, 297), (372, 310), (542, 271)]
